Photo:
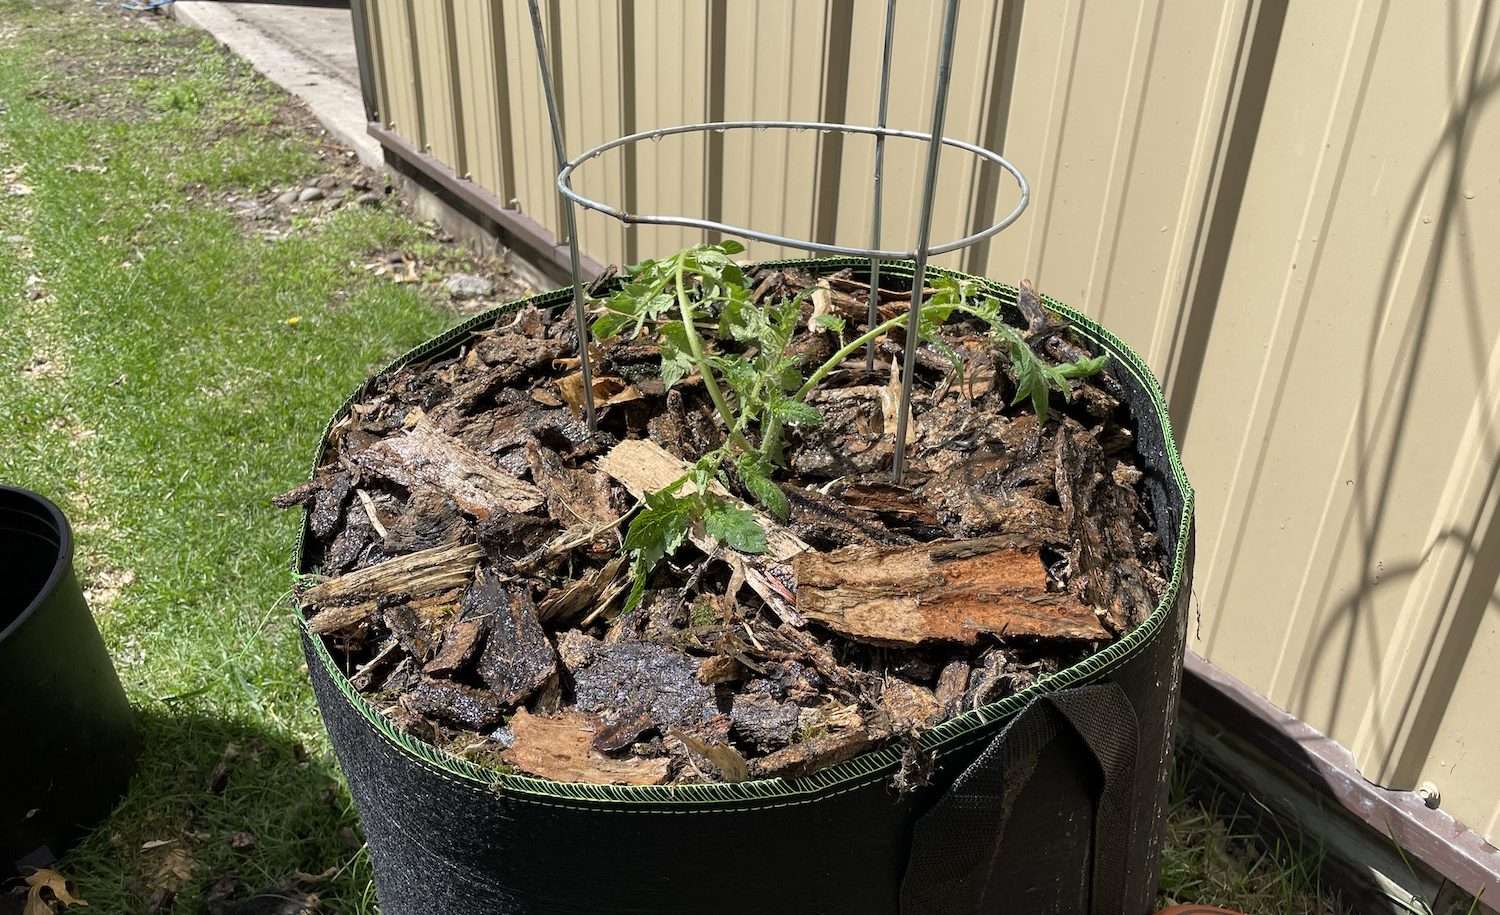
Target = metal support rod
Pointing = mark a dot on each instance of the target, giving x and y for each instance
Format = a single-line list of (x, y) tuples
[(580, 315), (924, 232), (880, 116)]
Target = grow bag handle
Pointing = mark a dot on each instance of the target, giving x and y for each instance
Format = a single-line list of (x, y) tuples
[(956, 844)]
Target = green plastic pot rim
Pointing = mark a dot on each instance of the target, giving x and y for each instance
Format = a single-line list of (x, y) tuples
[(953, 734), (60, 566)]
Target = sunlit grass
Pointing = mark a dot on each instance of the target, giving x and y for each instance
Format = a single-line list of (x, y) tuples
[(174, 398)]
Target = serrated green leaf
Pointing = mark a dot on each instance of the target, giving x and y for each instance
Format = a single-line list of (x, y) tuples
[(676, 356), (741, 378), (660, 527), (734, 527), (640, 572), (834, 323), (755, 473), (795, 412), (730, 246), (1084, 367)]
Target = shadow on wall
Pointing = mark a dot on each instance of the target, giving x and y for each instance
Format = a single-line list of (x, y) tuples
[(1384, 421)]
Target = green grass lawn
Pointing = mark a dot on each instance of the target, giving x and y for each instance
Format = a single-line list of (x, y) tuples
[(167, 369), (157, 392)]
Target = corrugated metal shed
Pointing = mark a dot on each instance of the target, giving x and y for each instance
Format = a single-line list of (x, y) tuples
[(1284, 207)]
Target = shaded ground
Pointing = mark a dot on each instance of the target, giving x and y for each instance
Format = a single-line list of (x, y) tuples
[(176, 339)]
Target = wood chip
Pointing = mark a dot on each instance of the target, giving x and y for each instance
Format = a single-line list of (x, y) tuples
[(947, 591), (574, 497), (762, 722), (952, 683), (371, 513), (517, 658), (560, 748), (464, 706), (428, 519), (816, 753), (908, 706), (720, 669), (721, 756), (415, 574), (562, 604), (460, 643), (427, 456)]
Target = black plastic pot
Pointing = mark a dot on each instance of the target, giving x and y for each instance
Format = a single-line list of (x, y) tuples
[(1050, 801), (68, 734)]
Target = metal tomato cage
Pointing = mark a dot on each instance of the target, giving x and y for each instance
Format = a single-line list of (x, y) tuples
[(924, 249)]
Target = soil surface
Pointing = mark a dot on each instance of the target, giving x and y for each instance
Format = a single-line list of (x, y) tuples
[(467, 528)]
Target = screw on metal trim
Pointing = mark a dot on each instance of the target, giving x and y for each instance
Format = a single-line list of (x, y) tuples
[(1430, 795)]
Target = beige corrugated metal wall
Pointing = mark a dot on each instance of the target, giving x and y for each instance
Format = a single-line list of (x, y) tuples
[(1284, 207)]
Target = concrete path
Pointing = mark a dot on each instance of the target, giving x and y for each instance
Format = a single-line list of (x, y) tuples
[(307, 50)]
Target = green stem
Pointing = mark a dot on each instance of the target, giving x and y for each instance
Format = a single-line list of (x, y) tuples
[(695, 346), (837, 358)]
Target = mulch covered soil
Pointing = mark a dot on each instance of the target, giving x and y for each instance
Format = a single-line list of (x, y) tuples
[(467, 529)]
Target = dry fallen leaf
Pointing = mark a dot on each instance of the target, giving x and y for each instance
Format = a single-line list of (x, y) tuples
[(177, 865), (47, 885), (608, 390), (722, 756), (242, 840)]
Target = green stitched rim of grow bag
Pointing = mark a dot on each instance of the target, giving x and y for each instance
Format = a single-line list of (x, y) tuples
[(859, 772)]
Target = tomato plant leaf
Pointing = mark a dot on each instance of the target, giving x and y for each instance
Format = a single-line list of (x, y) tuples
[(734, 527), (755, 473)]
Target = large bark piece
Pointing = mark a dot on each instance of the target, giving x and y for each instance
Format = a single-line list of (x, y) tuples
[(427, 456), (1100, 511), (643, 680), (947, 591), (561, 748), (415, 574)]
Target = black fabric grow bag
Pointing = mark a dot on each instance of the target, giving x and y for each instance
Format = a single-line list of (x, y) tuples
[(1052, 800)]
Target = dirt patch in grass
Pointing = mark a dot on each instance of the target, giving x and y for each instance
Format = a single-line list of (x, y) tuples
[(98, 86)]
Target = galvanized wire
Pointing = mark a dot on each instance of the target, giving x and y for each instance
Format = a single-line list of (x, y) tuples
[(564, 185), (924, 230), (580, 313)]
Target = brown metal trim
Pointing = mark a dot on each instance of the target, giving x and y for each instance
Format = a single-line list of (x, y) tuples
[(1449, 848), (517, 231)]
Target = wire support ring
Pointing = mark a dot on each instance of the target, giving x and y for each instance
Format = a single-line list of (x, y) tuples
[(565, 187)]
